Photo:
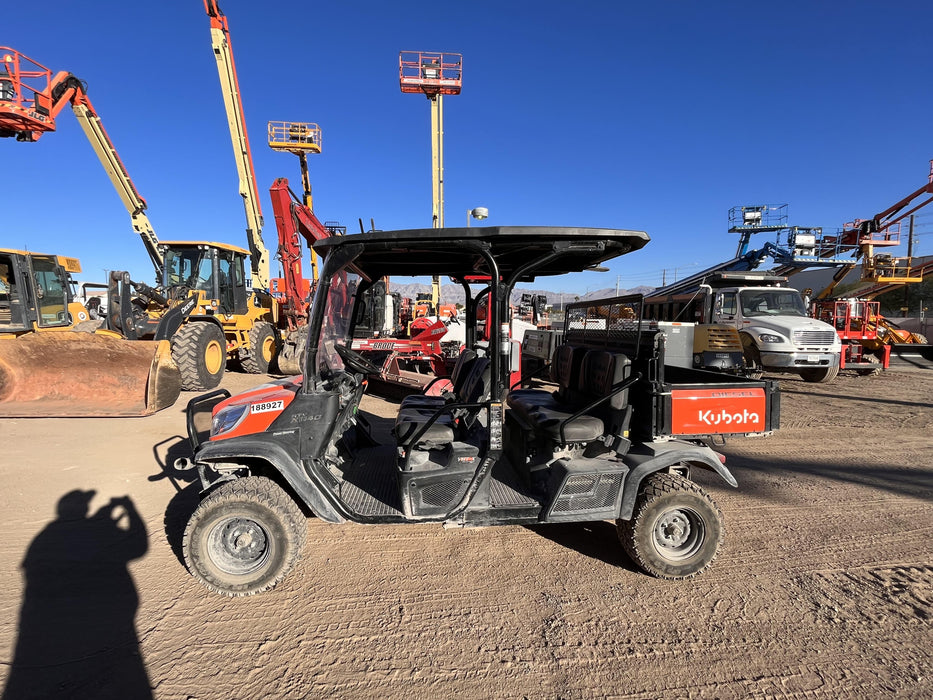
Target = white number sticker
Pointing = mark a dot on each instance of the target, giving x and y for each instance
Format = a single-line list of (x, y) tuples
[(267, 406)]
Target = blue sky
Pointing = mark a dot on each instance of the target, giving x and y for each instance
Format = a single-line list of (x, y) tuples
[(650, 116)]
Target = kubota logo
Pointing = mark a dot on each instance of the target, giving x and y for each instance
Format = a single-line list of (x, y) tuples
[(724, 417)]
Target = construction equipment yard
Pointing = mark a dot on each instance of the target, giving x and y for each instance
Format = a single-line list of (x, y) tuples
[(218, 548), (824, 587)]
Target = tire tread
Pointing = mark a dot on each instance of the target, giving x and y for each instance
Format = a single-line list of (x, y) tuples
[(254, 489), (653, 488), (252, 361), (187, 355)]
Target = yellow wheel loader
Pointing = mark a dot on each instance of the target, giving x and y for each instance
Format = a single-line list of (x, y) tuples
[(204, 306), (56, 361)]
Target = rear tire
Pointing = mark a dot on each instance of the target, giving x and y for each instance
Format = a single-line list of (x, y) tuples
[(200, 351), (261, 349), (870, 371), (676, 528), (244, 537), (821, 374)]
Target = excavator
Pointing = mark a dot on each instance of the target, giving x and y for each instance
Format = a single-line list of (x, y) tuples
[(294, 219)]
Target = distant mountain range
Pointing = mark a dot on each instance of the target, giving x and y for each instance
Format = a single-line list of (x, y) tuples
[(453, 293)]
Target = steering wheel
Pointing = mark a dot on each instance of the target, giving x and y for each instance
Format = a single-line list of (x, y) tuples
[(356, 362)]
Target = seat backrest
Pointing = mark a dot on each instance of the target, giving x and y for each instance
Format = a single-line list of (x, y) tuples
[(601, 371), (475, 390), (461, 371), (477, 384), (565, 370)]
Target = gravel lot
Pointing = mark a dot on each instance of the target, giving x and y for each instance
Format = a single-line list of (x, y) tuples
[(824, 588)]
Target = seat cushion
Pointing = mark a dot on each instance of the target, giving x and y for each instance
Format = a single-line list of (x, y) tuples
[(583, 428), (410, 421), (421, 401), (525, 401)]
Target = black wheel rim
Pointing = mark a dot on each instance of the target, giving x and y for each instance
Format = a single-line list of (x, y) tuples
[(678, 533), (239, 546)]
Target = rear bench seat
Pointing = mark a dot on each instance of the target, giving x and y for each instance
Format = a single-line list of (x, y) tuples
[(584, 377), (565, 372)]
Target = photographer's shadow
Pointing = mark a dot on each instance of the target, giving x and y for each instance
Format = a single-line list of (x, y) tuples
[(77, 632)]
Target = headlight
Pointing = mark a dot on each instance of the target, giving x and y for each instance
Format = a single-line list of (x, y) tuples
[(770, 338), (228, 419)]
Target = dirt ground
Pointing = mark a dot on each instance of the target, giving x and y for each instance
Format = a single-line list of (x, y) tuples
[(824, 588)]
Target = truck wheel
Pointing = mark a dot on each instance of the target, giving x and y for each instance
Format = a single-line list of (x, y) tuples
[(261, 349), (675, 530), (821, 374), (244, 537), (200, 351), (753, 367)]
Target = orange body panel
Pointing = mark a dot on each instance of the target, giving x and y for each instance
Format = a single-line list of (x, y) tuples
[(717, 411)]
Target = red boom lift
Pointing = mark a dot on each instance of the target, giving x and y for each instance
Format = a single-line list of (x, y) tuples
[(865, 334)]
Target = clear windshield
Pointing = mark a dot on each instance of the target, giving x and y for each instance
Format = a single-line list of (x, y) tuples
[(51, 291), (335, 329), (771, 302), (190, 267)]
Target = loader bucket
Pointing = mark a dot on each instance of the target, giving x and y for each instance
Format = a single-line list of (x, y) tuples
[(85, 375)]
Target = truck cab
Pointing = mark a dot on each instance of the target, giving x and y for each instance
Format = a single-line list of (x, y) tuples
[(777, 333)]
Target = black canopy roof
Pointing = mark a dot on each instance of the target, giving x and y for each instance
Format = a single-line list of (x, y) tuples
[(451, 252)]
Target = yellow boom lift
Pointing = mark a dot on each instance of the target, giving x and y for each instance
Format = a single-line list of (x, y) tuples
[(46, 369), (201, 302)]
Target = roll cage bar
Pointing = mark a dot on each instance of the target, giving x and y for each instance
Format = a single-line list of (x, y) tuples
[(501, 256)]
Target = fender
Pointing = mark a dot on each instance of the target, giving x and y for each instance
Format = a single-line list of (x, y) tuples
[(754, 331), (655, 456), (749, 336), (281, 459), (176, 316)]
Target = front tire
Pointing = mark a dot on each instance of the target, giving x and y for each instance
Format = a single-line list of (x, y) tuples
[(821, 374), (676, 528), (200, 351), (753, 368), (244, 537)]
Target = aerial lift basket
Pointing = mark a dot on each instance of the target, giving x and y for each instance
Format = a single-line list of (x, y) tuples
[(85, 375)]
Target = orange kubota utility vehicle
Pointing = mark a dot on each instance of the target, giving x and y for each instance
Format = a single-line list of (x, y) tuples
[(618, 440)]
